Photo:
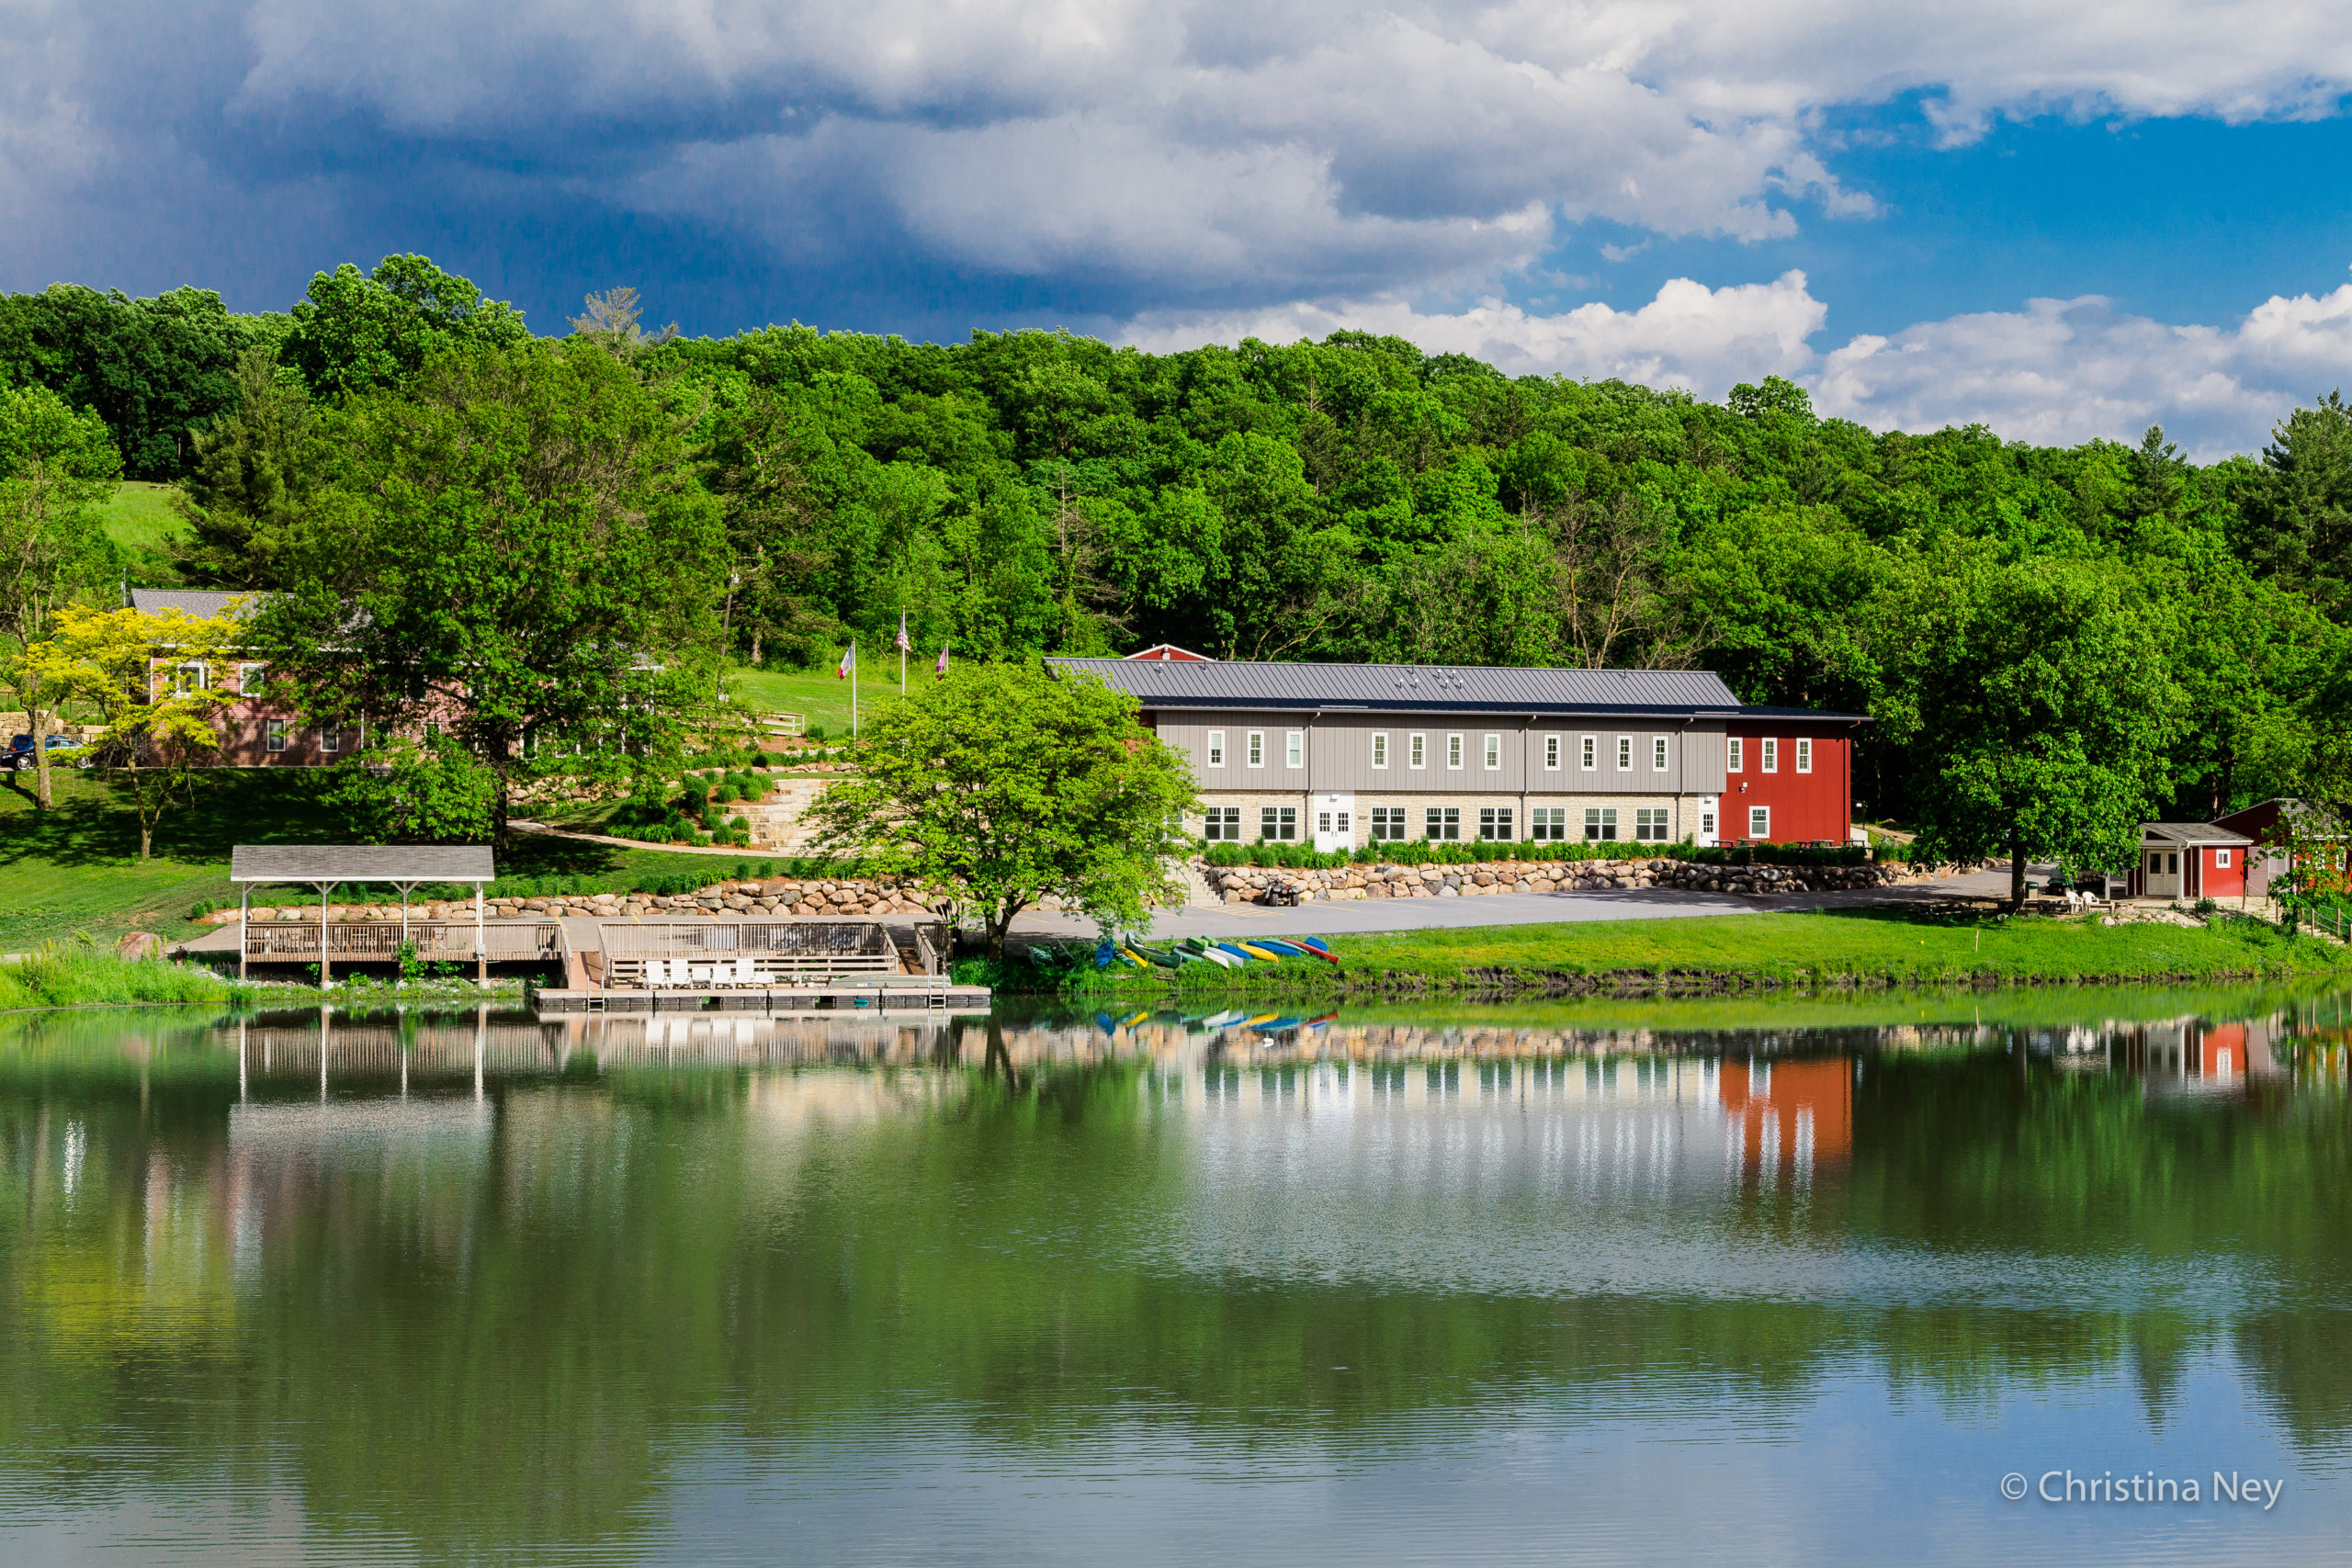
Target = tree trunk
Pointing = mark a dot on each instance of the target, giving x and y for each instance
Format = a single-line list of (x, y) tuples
[(2017, 875)]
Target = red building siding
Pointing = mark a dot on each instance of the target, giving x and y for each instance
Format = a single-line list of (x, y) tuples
[(2215, 880), (1801, 806)]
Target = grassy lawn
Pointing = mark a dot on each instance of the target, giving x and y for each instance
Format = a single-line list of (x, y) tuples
[(1863, 944), (138, 519), (820, 695), (75, 869)]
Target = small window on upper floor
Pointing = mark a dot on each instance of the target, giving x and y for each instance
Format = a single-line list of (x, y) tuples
[(1805, 756), (1735, 754), (1379, 748), (1657, 753), (1624, 753), (1295, 748), (1454, 751), (1216, 748), (1589, 752), (1257, 748), (1417, 752), (1771, 754), (1552, 753), (1491, 752)]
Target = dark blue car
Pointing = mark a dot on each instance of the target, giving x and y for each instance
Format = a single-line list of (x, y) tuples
[(60, 748)]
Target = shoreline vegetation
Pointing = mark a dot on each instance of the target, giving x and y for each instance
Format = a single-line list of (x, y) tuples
[(66, 977), (1727, 956)]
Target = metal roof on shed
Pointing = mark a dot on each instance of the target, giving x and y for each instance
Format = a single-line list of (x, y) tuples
[(1233, 683), (361, 863), (202, 603), (2189, 834)]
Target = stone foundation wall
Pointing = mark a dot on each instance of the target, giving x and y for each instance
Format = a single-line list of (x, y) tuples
[(1243, 884), (731, 900)]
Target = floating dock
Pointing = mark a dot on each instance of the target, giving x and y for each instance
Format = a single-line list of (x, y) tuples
[(867, 995)]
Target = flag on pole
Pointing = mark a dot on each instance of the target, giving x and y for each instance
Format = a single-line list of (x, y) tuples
[(903, 644), (849, 662), (940, 668)]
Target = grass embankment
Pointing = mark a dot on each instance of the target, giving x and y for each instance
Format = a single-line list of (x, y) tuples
[(1737, 953), (68, 978), (818, 696), (140, 520), (74, 870)]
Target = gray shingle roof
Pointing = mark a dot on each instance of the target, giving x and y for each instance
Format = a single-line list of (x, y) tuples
[(1234, 683), (361, 863), (2188, 833), (202, 603)]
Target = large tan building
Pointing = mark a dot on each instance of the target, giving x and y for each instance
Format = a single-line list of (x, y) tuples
[(1341, 755)]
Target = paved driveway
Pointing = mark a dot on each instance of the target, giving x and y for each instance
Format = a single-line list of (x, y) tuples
[(1512, 909)]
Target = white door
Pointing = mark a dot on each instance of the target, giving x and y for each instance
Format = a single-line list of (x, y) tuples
[(1705, 830), (2164, 873), (1335, 823)]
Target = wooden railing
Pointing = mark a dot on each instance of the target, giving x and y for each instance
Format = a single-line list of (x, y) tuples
[(787, 953), (378, 941)]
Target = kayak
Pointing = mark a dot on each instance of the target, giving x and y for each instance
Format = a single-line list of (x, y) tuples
[(1277, 944), (1239, 954), (1255, 951), (1165, 960), (1219, 1019), (1137, 959), (1318, 943), (1212, 955)]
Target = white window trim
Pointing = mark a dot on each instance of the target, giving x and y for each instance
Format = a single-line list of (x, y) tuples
[(2221, 860), (1624, 753), (1768, 756), (1764, 832), (1804, 755), (1657, 753), (1417, 752), (1551, 750), (1588, 754), (1293, 748), (275, 737), (1735, 754), (1490, 753), (1380, 749), (1216, 748), (1255, 756), (247, 676), (1454, 756)]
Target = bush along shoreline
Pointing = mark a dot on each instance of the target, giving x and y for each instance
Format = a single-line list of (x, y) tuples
[(72, 978), (1722, 956)]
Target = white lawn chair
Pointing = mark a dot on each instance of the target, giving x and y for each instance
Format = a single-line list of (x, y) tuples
[(747, 973), (699, 976), (657, 974)]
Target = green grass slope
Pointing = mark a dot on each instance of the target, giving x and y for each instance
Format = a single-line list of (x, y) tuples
[(140, 520)]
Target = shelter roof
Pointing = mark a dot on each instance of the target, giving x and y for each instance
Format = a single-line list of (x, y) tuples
[(202, 603), (1241, 684), (361, 863)]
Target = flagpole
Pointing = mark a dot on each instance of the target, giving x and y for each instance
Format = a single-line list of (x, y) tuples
[(853, 692)]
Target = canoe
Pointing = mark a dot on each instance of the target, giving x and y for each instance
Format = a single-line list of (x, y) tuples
[(1223, 960), (1164, 959), (1137, 959), (1317, 942), (1238, 955), (1255, 951), (1287, 948)]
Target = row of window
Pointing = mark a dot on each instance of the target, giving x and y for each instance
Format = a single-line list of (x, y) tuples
[(1491, 751), (330, 739), (1442, 824)]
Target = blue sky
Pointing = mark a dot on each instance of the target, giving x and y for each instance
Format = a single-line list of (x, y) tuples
[(2066, 225)]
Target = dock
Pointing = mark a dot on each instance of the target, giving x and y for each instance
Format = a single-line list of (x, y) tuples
[(872, 996)]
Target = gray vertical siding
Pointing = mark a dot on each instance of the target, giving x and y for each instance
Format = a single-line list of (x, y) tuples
[(1339, 748)]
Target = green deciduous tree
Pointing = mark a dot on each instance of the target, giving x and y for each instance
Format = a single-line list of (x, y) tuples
[(513, 549), (159, 716), (1002, 785), (355, 333), (56, 464), (2035, 706)]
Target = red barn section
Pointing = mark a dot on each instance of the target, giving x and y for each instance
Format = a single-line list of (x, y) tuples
[(1789, 1112), (1797, 766)]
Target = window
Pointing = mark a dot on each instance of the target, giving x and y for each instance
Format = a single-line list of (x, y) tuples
[(277, 735), (1216, 748), (1491, 752), (1624, 753), (2172, 865), (331, 739), (1454, 751), (1444, 823), (2221, 860), (1657, 753), (1222, 823), (185, 678), (1495, 824), (1805, 756), (1417, 752), (1278, 824), (1601, 824), (1257, 748), (1380, 749), (1649, 824), (1552, 753), (1548, 824), (1295, 748), (1772, 750), (1706, 824), (1734, 750), (249, 678), (1591, 751), (1388, 824), (2155, 865), (1759, 819)]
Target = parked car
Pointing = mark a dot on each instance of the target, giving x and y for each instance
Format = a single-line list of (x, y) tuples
[(60, 748)]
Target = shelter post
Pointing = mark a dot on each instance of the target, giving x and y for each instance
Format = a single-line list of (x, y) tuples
[(245, 932), (481, 952), (324, 889)]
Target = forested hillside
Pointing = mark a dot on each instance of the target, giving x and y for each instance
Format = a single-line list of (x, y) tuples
[(1351, 498)]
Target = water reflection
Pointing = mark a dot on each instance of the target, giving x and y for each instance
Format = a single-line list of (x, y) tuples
[(1369, 1287)]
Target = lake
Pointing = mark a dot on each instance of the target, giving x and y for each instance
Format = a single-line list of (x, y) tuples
[(1786, 1282)]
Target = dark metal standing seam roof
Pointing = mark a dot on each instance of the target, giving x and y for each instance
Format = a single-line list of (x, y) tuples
[(361, 863), (202, 603), (1236, 685)]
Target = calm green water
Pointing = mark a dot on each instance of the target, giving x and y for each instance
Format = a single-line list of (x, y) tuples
[(1610, 1283)]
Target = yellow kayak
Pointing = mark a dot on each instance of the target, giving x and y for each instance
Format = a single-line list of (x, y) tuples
[(1137, 959), (1255, 951)]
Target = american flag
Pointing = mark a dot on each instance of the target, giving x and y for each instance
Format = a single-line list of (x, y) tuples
[(904, 646)]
